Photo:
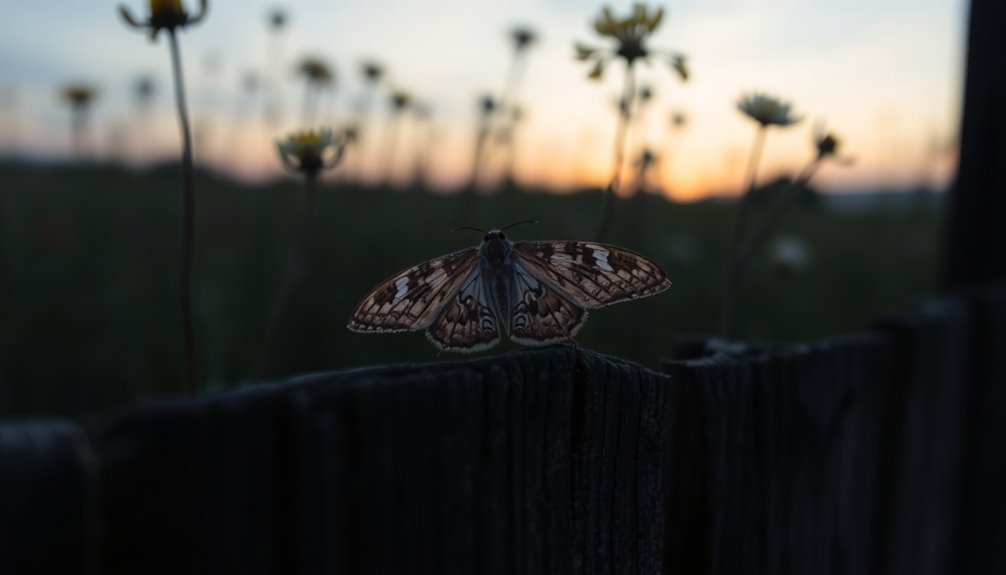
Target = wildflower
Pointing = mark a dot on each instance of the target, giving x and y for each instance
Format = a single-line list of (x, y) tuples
[(522, 37), (646, 159), (372, 71), (169, 15), (350, 134), (679, 119), (400, 100), (487, 104), (78, 95), (319, 76), (767, 110), (165, 15), (277, 19), (316, 71), (309, 152), (826, 144), (631, 33), (645, 94)]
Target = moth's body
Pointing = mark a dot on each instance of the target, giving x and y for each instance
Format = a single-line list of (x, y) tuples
[(496, 266), (538, 291)]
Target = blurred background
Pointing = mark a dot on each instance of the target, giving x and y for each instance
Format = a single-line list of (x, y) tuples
[(492, 131)]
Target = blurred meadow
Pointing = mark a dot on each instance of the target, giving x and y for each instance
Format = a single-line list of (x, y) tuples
[(445, 115)]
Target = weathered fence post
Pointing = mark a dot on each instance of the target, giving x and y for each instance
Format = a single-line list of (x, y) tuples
[(976, 243), (543, 461), (48, 515), (778, 468)]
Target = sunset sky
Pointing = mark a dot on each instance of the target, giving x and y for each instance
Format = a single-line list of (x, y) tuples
[(885, 75)]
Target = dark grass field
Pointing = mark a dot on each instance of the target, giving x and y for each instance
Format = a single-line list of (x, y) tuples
[(89, 265)]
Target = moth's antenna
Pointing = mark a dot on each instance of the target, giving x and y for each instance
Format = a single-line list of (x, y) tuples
[(519, 223), (480, 230)]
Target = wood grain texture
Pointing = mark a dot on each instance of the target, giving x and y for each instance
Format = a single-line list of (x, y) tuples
[(876, 452), (48, 515)]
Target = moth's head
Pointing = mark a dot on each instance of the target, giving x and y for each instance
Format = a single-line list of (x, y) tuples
[(495, 245), (493, 235)]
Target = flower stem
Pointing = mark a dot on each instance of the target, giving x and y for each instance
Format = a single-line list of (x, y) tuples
[(734, 270), (788, 195), (621, 133), (188, 221), (508, 107), (78, 126), (310, 105), (296, 266), (390, 143), (480, 145), (273, 97)]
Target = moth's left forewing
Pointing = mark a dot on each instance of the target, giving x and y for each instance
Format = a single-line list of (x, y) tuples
[(593, 275), (413, 298)]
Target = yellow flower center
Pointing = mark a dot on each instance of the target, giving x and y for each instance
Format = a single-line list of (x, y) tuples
[(166, 8), (309, 137)]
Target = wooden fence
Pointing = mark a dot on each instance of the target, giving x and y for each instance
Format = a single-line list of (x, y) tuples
[(879, 452)]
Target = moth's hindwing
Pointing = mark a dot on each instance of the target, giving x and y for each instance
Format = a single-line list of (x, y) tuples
[(467, 322), (592, 275), (541, 315), (412, 299)]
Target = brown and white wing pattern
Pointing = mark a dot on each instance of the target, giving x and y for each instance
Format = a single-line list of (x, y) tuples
[(592, 275), (412, 299), (541, 315), (467, 322)]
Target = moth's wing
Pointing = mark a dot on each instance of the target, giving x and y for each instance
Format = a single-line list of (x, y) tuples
[(467, 322), (410, 300), (541, 314), (592, 275)]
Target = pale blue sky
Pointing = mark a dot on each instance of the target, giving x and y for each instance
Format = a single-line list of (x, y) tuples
[(885, 74)]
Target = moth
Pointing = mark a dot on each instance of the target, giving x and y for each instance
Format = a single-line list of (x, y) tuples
[(537, 292)]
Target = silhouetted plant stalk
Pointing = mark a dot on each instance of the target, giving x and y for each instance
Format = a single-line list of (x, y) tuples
[(826, 145), (509, 111), (273, 109), (304, 154), (318, 77), (678, 123), (400, 102), (637, 147), (169, 15), (373, 73), (630, 34), (487, 107), (143, 92), (425, 136), (621, 136), (767, 112), (79, 97), (644, 164)]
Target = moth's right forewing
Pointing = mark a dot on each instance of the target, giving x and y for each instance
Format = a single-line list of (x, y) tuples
[(412, 299), (592, 275)]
